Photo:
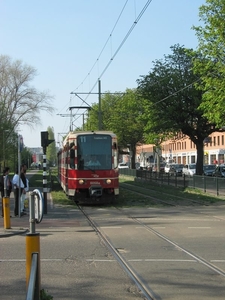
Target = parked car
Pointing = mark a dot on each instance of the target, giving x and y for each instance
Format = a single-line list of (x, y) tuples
[(123, 166), (168, 166), (176, 169), (219, 171), (161, 167), (208, 170), (189, 170)]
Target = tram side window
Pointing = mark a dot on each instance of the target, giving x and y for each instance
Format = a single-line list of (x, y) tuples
[(80, 162), (72, 156)]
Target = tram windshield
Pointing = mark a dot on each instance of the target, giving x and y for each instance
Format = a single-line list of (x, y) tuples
[(94, 152)]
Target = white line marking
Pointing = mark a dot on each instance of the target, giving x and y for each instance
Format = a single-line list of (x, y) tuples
[(218, 260), (165, 260), (144, 260), (111, 227), (199, 227)]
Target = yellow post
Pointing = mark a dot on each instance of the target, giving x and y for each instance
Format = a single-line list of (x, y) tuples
[(6, 212), (32, 245)]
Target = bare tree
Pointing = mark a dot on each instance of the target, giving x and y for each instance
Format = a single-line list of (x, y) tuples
[(20, 103)]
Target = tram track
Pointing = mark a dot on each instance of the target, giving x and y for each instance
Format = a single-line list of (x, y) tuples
[(139, 281), (147, 293)]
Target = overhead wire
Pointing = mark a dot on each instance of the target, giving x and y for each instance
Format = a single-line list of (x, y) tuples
[(122, 43), (103, 48), (117, 50)]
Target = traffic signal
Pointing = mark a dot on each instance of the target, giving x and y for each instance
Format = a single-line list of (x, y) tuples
[(44, 139)]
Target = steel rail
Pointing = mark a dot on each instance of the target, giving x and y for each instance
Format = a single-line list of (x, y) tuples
[(149, 295)]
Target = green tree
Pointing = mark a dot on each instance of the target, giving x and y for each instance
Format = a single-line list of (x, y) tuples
[(20, 103), (173, 102), (126, 122), (121, 114), (51, 153), (211, 65)]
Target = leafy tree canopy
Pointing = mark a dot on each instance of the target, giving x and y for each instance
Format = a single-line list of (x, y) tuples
[(121, 114), (211, 66), (173, 102)]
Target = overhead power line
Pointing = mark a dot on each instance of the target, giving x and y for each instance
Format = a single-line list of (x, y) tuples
[(104, 45), (122, 43)]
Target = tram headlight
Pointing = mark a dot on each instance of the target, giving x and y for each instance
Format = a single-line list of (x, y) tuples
[(81, 181), (108, 181)]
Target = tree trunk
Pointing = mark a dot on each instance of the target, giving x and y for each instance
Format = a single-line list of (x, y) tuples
[(200, 157)]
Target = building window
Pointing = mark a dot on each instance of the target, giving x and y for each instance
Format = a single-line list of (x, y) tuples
[(218, 140), (222, 139), (214, 141)]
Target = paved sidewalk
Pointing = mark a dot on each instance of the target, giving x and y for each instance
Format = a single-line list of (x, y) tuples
[(20, 225), (75, 264)]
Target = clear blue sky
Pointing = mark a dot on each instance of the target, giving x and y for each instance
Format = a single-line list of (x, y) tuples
[(64, 40)]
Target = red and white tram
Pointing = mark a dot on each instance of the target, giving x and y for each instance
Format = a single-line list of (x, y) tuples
[(88, 166)]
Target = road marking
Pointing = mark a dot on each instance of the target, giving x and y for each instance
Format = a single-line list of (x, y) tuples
[(141, 227), (140, 260), (100, 260), (199, 227), (111, 227), (218, 260), (165, 260), (23, 260)]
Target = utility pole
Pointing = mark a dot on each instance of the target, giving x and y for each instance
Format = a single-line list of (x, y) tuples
[(99, 93), (99, 106)]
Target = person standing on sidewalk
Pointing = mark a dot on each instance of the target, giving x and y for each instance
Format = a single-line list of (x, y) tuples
[(18, 181), (23, 170), (23, 193), (6, 186), (15, 182)]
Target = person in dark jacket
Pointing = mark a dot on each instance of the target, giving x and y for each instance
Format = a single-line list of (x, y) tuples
[(6, 186)]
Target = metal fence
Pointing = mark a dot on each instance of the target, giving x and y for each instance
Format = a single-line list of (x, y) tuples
[(206, 184)]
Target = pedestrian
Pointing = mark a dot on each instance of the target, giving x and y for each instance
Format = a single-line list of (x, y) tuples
[(16, 187), (6, 186), (22, 194)]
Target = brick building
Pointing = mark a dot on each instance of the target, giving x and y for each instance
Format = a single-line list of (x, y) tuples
[(183, 150)]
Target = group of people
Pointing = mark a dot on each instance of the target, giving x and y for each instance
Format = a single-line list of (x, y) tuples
[(19, 185)]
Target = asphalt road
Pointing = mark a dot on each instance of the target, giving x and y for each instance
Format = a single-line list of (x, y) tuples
[(178, 252)]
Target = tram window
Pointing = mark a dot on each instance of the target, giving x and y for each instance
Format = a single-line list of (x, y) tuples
[(72, 156), (95, 145)]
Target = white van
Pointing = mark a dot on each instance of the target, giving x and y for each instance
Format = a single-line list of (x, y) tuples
[(167, 167), (189, 170)]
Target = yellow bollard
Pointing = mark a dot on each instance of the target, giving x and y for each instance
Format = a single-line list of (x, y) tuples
[(32, 245), (6, 212)]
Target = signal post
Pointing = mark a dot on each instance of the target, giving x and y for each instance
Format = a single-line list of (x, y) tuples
[(44, 143)]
